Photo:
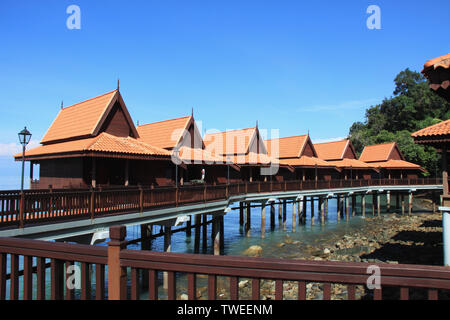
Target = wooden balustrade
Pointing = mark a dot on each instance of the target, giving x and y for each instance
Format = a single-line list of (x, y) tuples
[(55, 205), (126, 267)]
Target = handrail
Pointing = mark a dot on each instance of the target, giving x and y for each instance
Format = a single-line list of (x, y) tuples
[(20, 210), (125, 266)]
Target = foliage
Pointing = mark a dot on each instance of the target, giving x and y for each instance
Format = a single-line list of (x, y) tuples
[(412, 107)]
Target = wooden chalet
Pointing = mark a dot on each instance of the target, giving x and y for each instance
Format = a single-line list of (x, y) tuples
[(244, 148), (299, 153), (342, 155), (183, 140), (390, 161), (95, 143)]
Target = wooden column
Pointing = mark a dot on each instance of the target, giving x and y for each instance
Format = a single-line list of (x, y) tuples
[(301, 211), (304, 210), (444, 170), (167, 248), (31, 174), (117, 275), (263, 219), (353, 205), (374, 199), (198, 221), (127, 173), (247, 219), (410, 200), (94, 173), (363, 205), (347, 210), (378, 204), (272, 216), (216, 235), (403, 203), (326, 207), (388, 201), (338, 207), (294, 215), (189, 226), (205, 232), (284, 214), (280, 210), (241, 213), (312, 210), (322, 210)]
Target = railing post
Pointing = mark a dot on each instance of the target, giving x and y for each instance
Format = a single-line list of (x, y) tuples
[(91, 203), (117, 275), (141, 199), (21, 209)]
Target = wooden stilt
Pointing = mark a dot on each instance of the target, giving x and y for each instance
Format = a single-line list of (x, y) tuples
[(403, 204), (216, 235), (347, 204), (241, 213), (294, 215), (374, 199), (167, 248), (378, 204), (204, 233), (388, 201), (353, 205), (247, 219), (272, 216), (410, 203), (284, 214), (189, 226), (312, 210), (338, 207), (263, 220), (322, 210), (198, 221), (363, 205)]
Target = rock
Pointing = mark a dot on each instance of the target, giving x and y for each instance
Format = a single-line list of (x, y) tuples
[(184, 296), (253, 251), (243, 284), (281, 244), (326, 251)]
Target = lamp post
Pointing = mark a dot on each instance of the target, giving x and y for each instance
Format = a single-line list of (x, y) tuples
[(24, 138)]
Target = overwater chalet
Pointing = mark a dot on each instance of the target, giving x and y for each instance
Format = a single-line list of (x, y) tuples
[(342, 155), (437, 71), (242, 147), (390, 161), (182, 138), (299, 153), (95, 143)]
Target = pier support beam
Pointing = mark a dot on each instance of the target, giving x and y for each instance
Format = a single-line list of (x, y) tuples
[(280, 210), (241, 213), (338, 207), (204, 233), (247, 219), (374, 200), (167, 248), (322, 209), (403, 203), (378, 204), (388, 201), (272, 216), (294, 215), (353, 205), (363, 205), (197, 223), (189, 227), (284, 214), (312, 210), (347, 210), (263, 219), (304, 205), (217, 234), (410, 203)]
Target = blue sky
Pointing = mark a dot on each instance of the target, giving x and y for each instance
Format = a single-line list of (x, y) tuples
[(292, 65)]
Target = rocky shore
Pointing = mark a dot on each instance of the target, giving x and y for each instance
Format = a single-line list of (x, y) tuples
[(390, 238)]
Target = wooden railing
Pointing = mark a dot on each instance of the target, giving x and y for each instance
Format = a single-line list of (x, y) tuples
[(130, 272), (60, 204)]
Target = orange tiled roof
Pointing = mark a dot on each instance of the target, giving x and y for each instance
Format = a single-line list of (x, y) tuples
[(189, 155), (104, 142), (229, 142), (438, 129), (305, 161), (78, 120), (332, 150), (164, 134), (289, 147), (377, 152), (443, 61), (352, 163), (396, 164)]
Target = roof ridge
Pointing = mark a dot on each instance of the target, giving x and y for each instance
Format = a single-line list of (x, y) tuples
[(73, 105), (297, 136), (331, 141), (231, 130), (146, 124)]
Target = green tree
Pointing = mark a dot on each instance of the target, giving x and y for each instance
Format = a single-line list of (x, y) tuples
[(412, 107)]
